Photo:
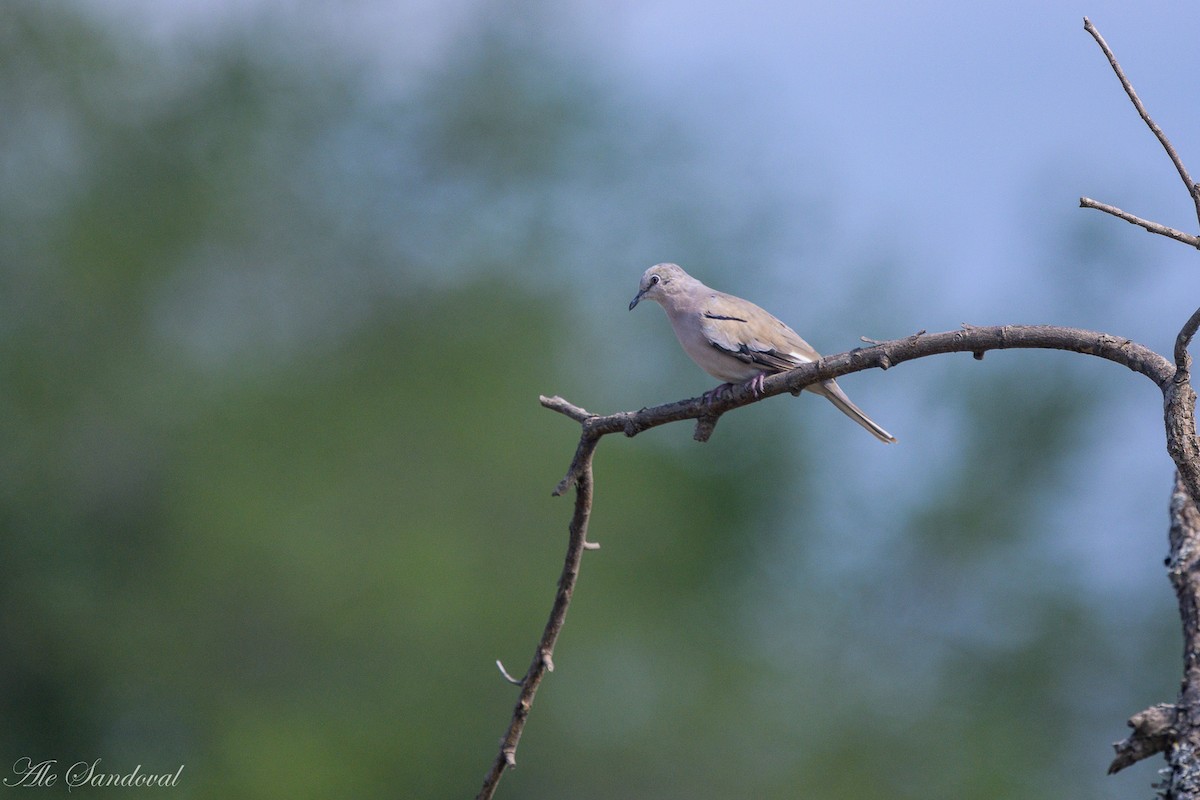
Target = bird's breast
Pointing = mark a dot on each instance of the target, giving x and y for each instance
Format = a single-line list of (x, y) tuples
[(718, 363)]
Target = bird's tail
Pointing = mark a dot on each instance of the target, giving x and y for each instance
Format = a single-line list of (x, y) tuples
[(834, 393)]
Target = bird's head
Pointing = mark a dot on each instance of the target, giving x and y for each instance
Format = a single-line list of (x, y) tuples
[(659, 282)]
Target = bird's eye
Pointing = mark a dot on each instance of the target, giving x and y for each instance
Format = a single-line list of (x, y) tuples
[(653, 279)]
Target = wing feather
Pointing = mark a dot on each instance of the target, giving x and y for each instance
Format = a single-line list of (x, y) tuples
[(752, 335)]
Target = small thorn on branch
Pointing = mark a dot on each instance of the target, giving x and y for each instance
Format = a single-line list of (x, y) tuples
[(508, 677), (591, 545), (1152, 731)]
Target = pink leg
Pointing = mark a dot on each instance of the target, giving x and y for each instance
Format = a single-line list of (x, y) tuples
[(755, 385)]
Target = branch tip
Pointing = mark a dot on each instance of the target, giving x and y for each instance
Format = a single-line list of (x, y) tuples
[(565, 408)]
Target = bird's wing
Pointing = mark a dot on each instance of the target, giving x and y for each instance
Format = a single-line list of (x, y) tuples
[(752, 335)]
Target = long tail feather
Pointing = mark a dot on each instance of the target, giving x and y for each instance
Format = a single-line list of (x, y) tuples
[(834, 393)]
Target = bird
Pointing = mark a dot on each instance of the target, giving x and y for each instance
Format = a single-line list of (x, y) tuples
[(734, 340)]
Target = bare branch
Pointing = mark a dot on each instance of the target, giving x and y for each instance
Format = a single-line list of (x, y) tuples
[(1179, 412), (1192, 189), (1183, 340), (582, 459), (1152, 227), (543, 661), (970, 339), (1183, 774)]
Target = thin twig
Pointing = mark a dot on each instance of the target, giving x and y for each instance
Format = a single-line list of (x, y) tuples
[(582, 459), (543, 660), (1152, 227), (571, 410), (1192, 189), (1183, 340)]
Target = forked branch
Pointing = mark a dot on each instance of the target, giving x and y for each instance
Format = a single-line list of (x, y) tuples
[(1193, 189)]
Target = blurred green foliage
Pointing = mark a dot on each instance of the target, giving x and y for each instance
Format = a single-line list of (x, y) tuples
[(274, 489)]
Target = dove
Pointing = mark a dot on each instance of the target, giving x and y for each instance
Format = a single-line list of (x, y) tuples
[(734, 340)]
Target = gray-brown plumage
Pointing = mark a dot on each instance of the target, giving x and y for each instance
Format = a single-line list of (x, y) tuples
[(736, 341)]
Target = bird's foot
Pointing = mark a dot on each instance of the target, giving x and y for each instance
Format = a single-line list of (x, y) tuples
[(712, 395), (755, 385)]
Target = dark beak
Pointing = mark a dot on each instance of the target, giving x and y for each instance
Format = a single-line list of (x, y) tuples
[(635, 299)]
